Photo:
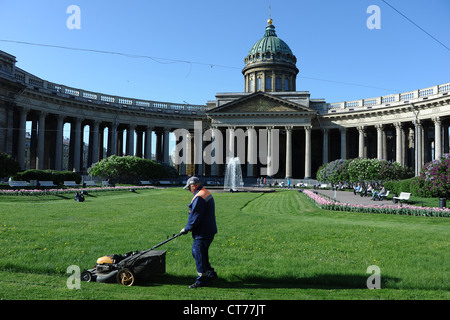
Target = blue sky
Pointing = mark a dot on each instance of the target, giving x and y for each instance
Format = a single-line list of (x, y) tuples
[(338, 56)]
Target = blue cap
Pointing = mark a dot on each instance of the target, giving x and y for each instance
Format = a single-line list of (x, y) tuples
[(191, 180)]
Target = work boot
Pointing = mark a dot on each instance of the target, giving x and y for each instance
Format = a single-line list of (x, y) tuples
[(211, 275), (197, 284)]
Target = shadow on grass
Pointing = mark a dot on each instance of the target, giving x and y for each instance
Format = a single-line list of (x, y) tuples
[(323, 281)]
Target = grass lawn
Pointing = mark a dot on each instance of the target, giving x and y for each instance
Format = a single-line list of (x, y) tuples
[(269, 246)]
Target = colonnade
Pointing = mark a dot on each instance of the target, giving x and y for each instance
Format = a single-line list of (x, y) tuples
[(411, 143), (408, 143), (258, 149), (46, 143)]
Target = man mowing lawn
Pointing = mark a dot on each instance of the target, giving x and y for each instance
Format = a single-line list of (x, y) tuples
[(202, 224)]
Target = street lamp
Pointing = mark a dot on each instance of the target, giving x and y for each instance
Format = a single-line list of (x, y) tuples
[(416, 143)]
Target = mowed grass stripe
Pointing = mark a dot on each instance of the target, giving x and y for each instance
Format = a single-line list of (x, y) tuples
[(269, 246)]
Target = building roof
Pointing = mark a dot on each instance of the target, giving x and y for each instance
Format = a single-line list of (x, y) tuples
[(270, 42)]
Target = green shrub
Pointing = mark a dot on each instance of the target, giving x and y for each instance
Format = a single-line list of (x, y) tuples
[(129, 169), (8, 166), (334, 172), (364, 171), (434, 179), (396, 187), (58, 177)]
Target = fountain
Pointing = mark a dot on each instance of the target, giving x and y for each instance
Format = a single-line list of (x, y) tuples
[(233, 175)]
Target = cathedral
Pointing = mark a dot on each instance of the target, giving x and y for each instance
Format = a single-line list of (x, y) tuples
[(275, 130)]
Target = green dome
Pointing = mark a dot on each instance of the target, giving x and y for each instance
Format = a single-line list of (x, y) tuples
[(270, 43)]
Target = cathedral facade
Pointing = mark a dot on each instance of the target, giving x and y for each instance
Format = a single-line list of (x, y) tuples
[(275, 130)]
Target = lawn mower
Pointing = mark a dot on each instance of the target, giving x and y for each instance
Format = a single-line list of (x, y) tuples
[(126, 269)]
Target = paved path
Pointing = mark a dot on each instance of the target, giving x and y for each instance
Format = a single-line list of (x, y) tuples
[(349, 197)]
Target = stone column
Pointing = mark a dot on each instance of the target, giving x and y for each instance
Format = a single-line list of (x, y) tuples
[(148, 143), (189, 164), (120, 141), (198, 148), (398, 143), (130, 140), (379, 128), (158, 152), (289, 152), (361, 131), (307, 152), (230, 143), (166, 150), (269, 152), (252, 151), (59, 143), (95, 144), (21, 142), (112, 140), (77, 146), (418, 146), (101, 143), (41, 141), (139, 143), (446, 138), (325, 157), (33, 143), (343, 143), (437, 138)]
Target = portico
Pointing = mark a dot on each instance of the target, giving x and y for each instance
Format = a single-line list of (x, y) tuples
[(260, 127)]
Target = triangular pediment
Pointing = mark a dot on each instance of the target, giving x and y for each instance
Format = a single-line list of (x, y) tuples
[(260, 102)]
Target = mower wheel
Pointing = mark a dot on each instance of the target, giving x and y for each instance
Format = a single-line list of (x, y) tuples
[(125, 277), (86, 276)]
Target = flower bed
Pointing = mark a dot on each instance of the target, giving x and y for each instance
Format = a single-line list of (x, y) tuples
[(37, 192), (404, 209)]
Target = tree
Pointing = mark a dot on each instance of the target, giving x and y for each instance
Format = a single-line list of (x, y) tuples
[(129, 169), (8, 166), (434, 179), (334, 172), (363, 171)]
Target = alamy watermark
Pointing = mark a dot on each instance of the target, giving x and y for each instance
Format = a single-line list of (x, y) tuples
[(374, 281), (74, 20), (262, 147), (74, 280), (374, 21)]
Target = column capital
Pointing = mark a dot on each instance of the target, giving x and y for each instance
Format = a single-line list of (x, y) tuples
[(436, 120), (379, 126), (418, 123), (25, 109)]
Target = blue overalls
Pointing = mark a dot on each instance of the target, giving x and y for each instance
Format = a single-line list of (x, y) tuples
[(202, 224)]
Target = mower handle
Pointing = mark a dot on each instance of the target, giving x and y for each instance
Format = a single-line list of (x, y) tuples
[(164, 242)]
